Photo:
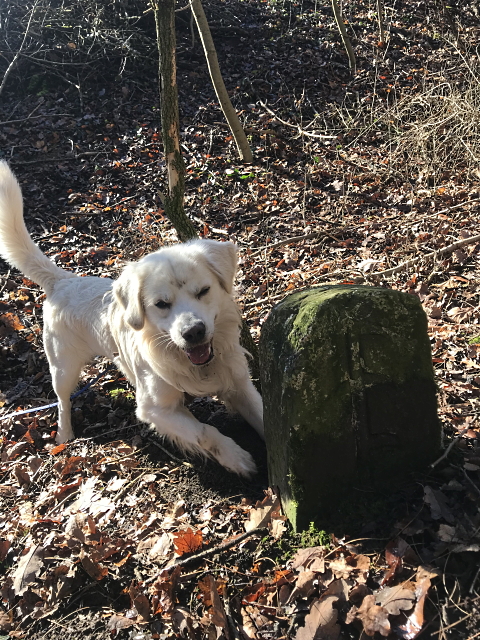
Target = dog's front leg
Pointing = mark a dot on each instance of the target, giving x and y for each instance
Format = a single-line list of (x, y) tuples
[(166, 413), (246, 401)]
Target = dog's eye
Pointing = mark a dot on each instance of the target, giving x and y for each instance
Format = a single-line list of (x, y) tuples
[(203, 292), (161, 304)]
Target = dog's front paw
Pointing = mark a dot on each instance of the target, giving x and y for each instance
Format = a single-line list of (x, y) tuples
[(228, 453), (242, 462)]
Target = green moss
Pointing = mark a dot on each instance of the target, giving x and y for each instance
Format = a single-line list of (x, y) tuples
[(314, 537), (116, 393)]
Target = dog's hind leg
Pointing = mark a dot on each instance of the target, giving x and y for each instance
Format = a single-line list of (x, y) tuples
[(66, 363)]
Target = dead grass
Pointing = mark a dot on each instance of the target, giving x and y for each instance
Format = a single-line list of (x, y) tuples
[(439, 132), (430, 134)]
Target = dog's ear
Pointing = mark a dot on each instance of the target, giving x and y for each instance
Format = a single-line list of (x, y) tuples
[(128, 291), (222, 258)]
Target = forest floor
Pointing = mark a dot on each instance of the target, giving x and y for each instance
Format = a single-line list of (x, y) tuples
[(353, 174)]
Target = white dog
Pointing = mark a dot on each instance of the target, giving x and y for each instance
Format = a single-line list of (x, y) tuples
[(169, 323)]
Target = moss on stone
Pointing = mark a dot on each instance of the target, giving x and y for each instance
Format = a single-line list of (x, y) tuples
[(349, 395)]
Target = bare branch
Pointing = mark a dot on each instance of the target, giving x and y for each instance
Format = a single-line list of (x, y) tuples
[(444, 250), (17, 55), (301, 131)]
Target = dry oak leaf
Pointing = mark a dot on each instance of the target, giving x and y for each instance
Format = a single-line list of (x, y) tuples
[(4, 547), (321, 621), (29, 566), (459, 315), (161, 546), (248, 628), (183, 623), (212, 602), (116, 623), (362, 565), (358, 593), (140, 602), (58, 449), (338, 588), (278, 526), (11, 321), (261, 515), (414, 624), (61, 490), (394, 554), (253, 592), (437, 502), (6, 621), (373, 617), (396, 599), (94, 569), (304, 586), (258, 617), (341, 567), (163, 591), (305, 557), (8, 490), (73, 464), (187, 541), (283, 576), (22, 476)]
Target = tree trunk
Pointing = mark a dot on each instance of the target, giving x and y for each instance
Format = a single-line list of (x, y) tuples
[(218, 84), (337, 14), (173, 201), (165, 24), (380, 14)]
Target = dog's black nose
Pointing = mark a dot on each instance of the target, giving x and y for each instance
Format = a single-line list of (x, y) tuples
[(194, 334)]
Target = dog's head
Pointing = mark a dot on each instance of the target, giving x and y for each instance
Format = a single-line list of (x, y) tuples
[(179, 292)]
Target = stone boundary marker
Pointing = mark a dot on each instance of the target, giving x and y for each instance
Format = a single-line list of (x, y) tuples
[(349, 395)]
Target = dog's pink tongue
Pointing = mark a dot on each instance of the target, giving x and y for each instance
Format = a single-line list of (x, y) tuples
[(200, 354)]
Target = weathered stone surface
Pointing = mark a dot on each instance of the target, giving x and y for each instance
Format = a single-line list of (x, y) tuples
[(349, 395)]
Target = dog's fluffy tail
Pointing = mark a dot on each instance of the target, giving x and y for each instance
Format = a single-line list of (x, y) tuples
[(16, 245)]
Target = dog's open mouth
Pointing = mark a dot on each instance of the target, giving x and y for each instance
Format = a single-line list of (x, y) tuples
[(201, 354)]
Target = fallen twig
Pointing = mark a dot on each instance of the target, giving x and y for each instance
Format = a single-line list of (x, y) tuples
[(210, 552), (444, 250), (454, 206), (5, 282), (307, 236), (296, 126), (42, 115), (58, 159), (467, 477), (231, 620), (224, 125), (315, 285), (454, 624), (169, 453), (449, 448), (125, 488), (284, 294)]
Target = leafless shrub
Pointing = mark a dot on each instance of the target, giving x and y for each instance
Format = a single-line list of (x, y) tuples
[(437, 132), (428, 133), (72, 40)]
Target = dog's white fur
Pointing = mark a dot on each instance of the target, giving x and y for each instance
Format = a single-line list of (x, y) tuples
[(86, 316)]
